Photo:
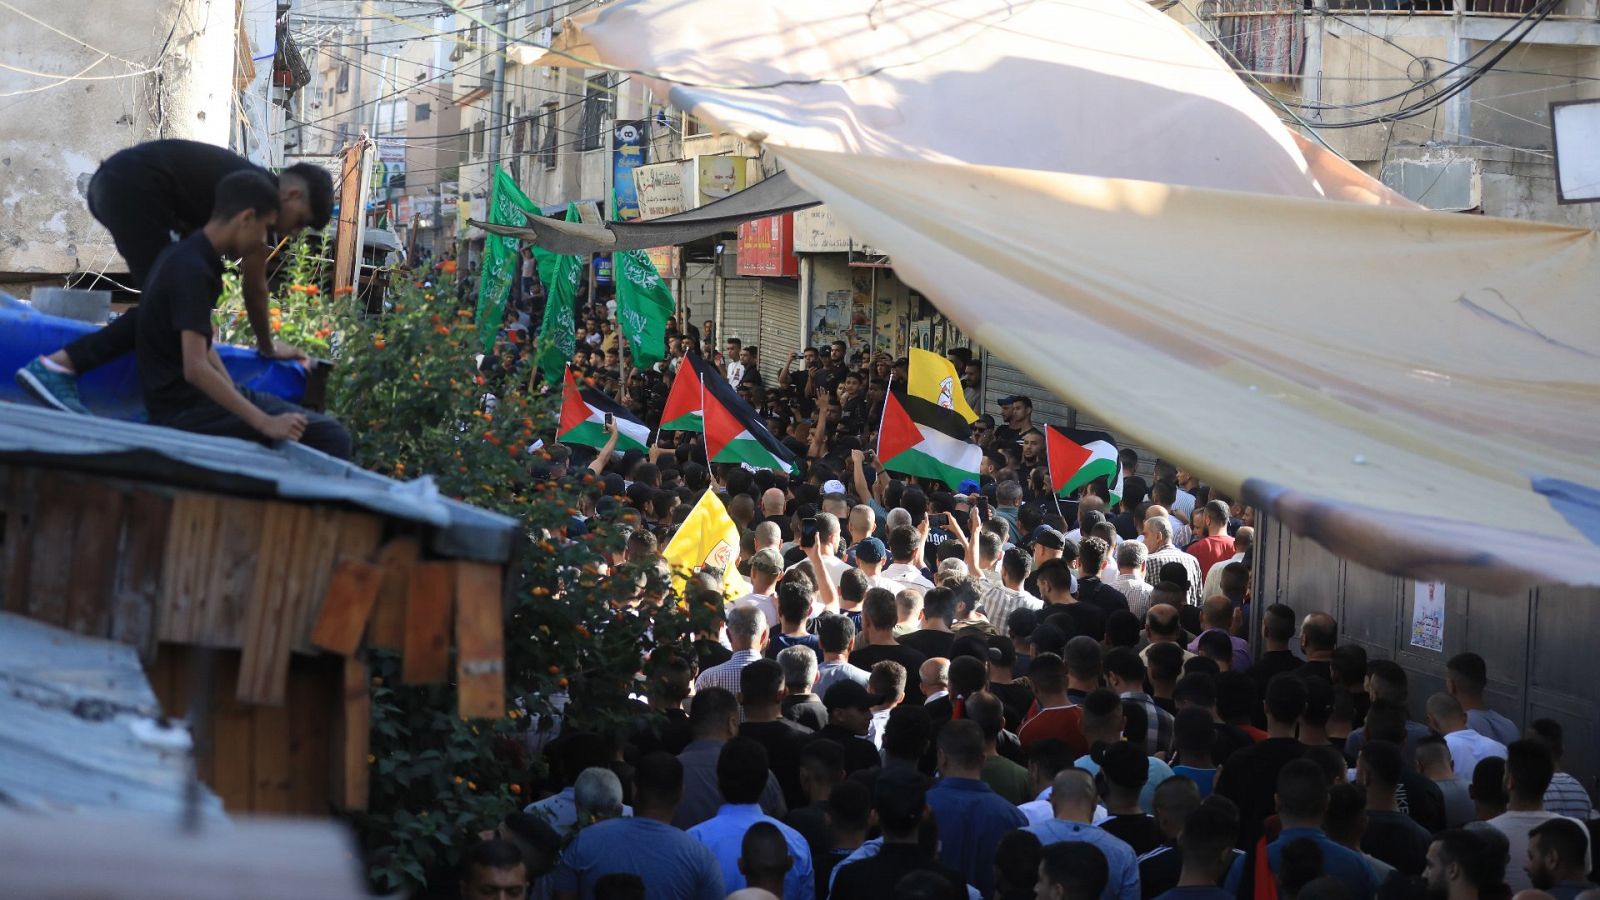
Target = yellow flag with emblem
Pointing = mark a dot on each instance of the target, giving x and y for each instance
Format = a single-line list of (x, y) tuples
[(934, 378), (707, 538)]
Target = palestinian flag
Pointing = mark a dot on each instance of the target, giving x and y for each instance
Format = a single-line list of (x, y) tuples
[(682, 412), (583, 419), (926, 424), (1080, 457), (734, 433)]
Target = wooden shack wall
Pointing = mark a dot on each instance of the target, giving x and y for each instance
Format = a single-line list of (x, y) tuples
[(1537, 643), (260, 758), (143, 564)]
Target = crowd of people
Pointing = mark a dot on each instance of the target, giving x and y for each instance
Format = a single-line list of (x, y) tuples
[(992, 691), (928, 691)]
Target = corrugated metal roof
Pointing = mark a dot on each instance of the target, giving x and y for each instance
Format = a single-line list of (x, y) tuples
[(291, 471), (81, 730)]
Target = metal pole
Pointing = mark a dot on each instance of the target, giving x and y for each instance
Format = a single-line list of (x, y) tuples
[(497, 122)]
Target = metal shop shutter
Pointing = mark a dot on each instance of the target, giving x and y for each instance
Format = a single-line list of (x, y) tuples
[(780, 326), (741, 312), (699, 292)]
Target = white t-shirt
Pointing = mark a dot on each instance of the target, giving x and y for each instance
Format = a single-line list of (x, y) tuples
[(1468, 748), (909, 577), (1515, 826), (765, 602), (735, 373)]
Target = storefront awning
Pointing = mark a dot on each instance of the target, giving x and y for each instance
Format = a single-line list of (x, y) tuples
[(771, 197), (1088, 190)]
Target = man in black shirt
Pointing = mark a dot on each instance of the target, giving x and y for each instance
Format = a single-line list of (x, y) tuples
[(878, 617), (1055, 589), (149, 196), (760, 696), (1092, 553), (1250, 775), (1277, 629), (901, 800), (185, 384)]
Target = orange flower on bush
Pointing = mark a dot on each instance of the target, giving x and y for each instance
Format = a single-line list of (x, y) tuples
[(343, 291), (442, 329)]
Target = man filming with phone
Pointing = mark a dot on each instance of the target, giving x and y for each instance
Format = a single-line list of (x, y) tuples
[(821, 534)]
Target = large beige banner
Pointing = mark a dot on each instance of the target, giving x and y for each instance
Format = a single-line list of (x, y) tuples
[(1091, 193)]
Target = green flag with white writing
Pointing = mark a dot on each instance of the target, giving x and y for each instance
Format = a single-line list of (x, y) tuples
[(507, 206), (557, 334), (644, 304)]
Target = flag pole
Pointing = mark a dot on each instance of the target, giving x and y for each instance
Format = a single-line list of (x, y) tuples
[(883, 413), (1049, 477), (705, 441)]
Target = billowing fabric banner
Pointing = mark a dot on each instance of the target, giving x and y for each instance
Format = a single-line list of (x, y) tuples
[(1417, 391)]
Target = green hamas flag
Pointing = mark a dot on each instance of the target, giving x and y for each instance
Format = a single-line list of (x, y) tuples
[(643, 306), (557, 334), (507, 206)]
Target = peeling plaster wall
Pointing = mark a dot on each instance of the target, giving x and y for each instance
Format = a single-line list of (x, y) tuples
[(135, 84)]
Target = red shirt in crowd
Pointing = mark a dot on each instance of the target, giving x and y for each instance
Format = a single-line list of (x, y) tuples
[(1211, 550), (1061, 723)]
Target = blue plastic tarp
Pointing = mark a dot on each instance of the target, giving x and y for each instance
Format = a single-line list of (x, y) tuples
[(113, 389)]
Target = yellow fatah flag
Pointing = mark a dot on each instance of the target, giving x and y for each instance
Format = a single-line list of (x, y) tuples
[(934, 378), (708, 537)]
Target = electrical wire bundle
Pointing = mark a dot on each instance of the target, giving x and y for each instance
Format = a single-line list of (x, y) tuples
[(1527, 22)]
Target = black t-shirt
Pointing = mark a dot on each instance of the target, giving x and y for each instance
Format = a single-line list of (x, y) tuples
[(179, 295), (667, 732), (1395, 838), (875, 877), (1159, 872), (872, 654), (1089, 619), (859, 753), (853, 416), (1421, 799), (1137, 831), (783, 740), (1006, 436), (928, 643), (1230, 739), (711, 653), (1017, 699), (805, 709), (1250, 779), (1095, 592), (181, 174)]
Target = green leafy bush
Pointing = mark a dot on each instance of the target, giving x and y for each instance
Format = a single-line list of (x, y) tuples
[(406, 385)]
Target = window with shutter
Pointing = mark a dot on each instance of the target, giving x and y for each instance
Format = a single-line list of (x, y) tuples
[(594, 108), (547, 149)]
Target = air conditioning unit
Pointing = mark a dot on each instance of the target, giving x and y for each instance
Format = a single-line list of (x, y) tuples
[(1451, 184)]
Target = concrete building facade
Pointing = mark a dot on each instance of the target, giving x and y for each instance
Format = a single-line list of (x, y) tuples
[(77, 89)]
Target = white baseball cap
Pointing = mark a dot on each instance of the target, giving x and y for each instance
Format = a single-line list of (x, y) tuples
[(833, 487)]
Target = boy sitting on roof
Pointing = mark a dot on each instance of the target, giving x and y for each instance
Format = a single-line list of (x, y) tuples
[(185, 384)]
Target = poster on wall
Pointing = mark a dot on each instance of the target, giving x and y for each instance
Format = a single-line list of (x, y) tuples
[(1427, 616), (830, 319), (628, 140), (668, 260), (658, 189), (922, 335), (718, 177)]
